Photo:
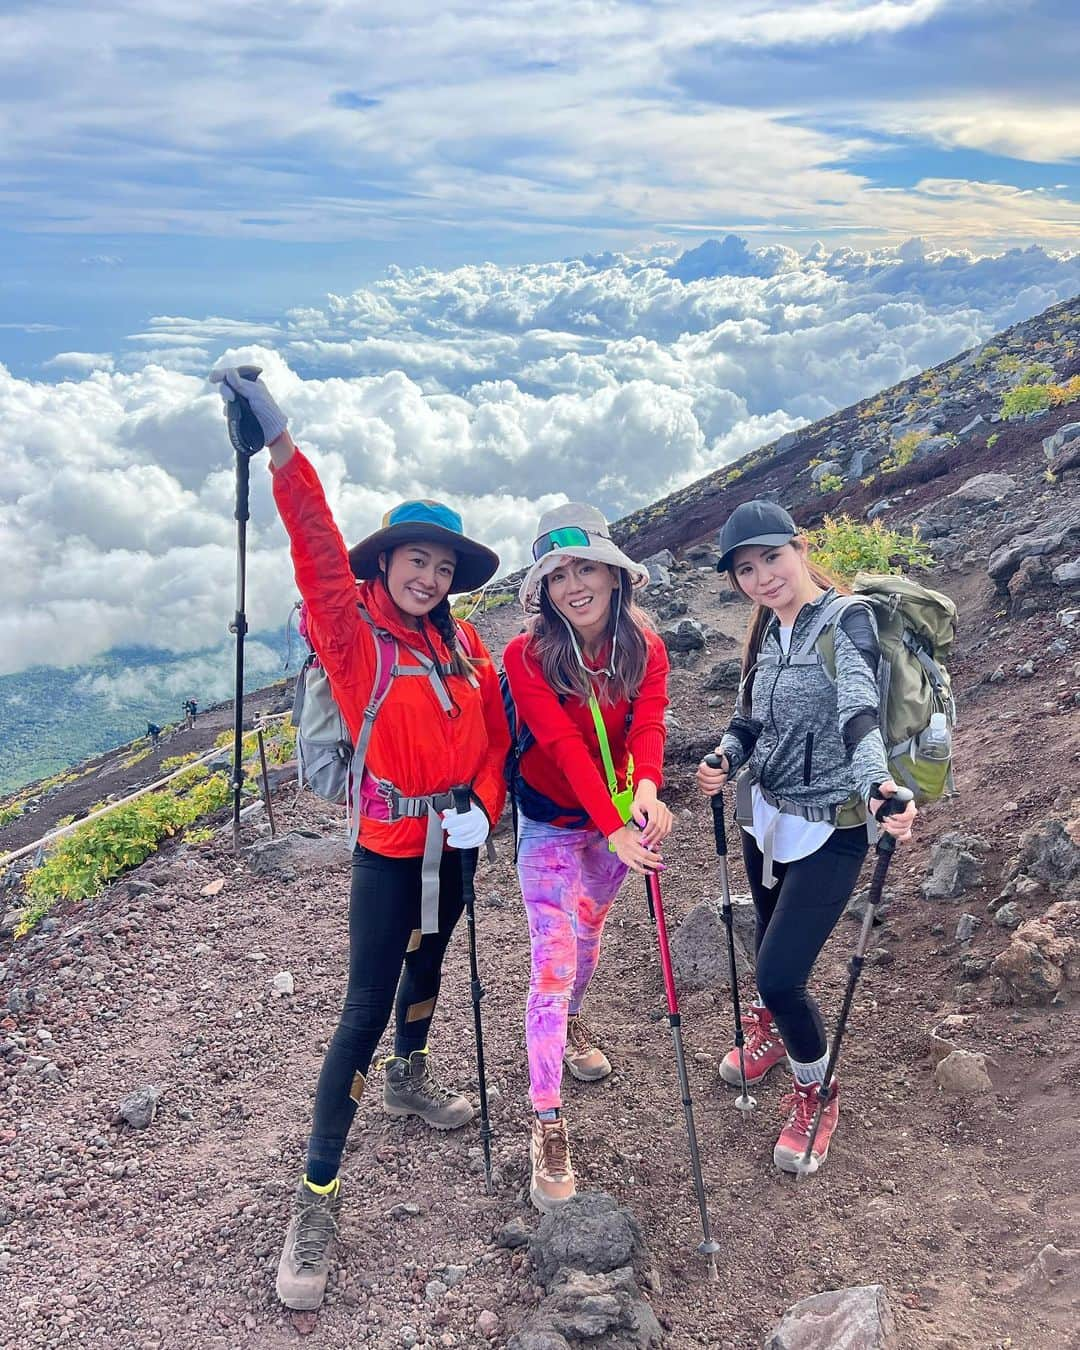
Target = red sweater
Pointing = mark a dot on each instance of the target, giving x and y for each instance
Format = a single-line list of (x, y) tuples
[(565, 763)]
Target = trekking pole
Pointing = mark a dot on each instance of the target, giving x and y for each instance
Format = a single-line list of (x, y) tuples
[(463, 800), (743, 1102), (247, 439), (886, 846), (707, 1247)]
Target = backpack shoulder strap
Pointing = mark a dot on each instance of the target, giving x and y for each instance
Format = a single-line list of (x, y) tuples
[(827, 618)]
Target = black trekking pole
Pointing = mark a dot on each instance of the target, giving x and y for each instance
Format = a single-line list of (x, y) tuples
[(462, 801), (247, 439), (707, 1247), (886, 846), (743, 1102)]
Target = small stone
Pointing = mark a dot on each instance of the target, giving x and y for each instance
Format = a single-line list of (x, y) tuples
[(140, 1107), (454, 1275), (965, 927), (408, 1337), (434, 1290), (998, 675), (963, 1072), (512, 1235), (213, 887), (407, 1210), (282, 984), (1026, 669), (487, 1324), (1009, 916)]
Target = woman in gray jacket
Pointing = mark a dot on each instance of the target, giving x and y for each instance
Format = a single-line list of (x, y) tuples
[(813, 762)]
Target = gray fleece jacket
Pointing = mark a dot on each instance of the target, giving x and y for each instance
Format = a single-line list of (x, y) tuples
[(808, 740)]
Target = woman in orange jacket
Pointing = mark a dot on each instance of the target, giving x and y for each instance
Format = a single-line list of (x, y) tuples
[(444, 729)]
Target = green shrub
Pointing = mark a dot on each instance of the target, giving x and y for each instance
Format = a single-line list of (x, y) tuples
[(992, 440), (903, 451), (1025, 398), (1038, 373), (175, 761), (830, 482), (844, 546)]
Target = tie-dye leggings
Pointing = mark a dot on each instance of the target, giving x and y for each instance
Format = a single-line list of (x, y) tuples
[(568, 881)]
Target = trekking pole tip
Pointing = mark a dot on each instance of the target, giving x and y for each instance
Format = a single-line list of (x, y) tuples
[(745, 1104)]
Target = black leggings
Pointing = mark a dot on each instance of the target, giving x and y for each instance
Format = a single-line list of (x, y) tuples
[(384, 931), (794, 920)]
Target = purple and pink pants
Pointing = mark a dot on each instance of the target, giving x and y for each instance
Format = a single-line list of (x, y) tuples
[(568, 880)]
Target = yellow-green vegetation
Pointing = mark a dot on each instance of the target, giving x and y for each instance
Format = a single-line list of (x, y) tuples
[(1025, 398), (1007, 365), (1050, 476), (1064, 393), (844, 546), (986, 355), (903, 451), (865, 482), (992, 440), (1038, 372), (199, 835), (86, 859), (830, 482), (175, 761), (279, 740), (873, 409), (10, 811), (465, 605), (11, 808), (137, 757)]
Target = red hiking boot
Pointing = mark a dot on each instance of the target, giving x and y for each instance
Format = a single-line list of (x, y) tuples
[(762, 1051), (802, 1104)]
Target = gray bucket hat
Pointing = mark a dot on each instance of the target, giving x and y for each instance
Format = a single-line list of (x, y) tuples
[(573, 531), (757, 522)]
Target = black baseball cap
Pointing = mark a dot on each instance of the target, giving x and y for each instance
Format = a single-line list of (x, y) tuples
[(758, 522)]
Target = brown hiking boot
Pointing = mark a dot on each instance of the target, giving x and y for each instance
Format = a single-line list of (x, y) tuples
[(552, 1175), (411, 1089), (305, 1257), (582, 1056)]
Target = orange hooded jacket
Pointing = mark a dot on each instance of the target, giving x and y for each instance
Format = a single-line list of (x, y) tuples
[(414, 744)]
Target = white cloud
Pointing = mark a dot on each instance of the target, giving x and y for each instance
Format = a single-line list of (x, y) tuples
[(502, 390), (80, 362)]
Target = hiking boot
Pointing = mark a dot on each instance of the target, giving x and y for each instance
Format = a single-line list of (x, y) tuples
[(552, 1182), (762, 1049), (582, 1056), (411, 1089), (802, 1103), (305, 1258)]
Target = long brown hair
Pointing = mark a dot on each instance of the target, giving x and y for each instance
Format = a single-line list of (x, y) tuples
[(760, 619), (550, 641)]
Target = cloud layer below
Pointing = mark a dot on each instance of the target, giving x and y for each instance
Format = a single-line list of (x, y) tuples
[(501, 390)]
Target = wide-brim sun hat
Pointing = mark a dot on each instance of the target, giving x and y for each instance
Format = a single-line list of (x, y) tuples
[(421, 521), (573, 531), (761, 523)]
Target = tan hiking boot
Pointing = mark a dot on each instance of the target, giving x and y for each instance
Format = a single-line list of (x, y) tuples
[(305, 1257), (582, 1056), (411, 1089), (552, 1182)]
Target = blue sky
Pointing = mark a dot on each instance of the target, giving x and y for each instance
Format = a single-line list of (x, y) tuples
[(204, 159)]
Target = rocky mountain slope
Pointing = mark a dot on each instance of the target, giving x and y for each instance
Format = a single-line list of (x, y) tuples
[(952, 1180)]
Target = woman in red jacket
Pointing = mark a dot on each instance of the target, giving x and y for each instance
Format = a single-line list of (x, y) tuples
[(589, 682), (444, 729)]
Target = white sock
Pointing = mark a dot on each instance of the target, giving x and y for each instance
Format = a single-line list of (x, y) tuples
[(814, 1072)]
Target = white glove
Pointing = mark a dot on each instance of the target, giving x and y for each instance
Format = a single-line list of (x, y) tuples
[(466, 829), (270, 417)]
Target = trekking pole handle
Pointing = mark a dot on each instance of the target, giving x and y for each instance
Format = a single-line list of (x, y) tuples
[(890, 806), (245, 431), (462, 795), (717, 803)]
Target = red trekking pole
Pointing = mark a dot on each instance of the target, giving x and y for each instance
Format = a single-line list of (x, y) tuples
[(707, 1247)]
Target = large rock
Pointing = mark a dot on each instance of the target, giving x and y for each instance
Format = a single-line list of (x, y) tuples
[(842, 1319), (139, 1108), (724, 675), (1050, 852), (978, 426), (699, 949), (955, 867), (827, 468), (1067, 573), (685, 636), (963, 1072), (605, 1309), (1064, 436), (590, 1232), (1048, 537), (1042, 957), (299, 851), (985, 487)]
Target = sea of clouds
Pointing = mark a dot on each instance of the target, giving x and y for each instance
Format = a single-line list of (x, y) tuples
[(500, 389)]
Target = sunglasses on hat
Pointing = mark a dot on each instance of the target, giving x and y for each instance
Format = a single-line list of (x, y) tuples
[(568, 536)]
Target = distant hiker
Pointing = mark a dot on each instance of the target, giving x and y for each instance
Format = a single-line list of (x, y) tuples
[(589, 683), (154, 732), (810, 750), (444, 728), (190, 710)]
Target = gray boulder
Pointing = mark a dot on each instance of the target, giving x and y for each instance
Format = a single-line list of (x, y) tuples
[(1067, 573), (297, 852), (985, 487), (859, 463), (1047, 538), (724, 675), (879, 508), (963, 1072), (842, 1319), (1060, 439), (827, 468), (139, 1108), (603, 1309), (591, 1233), (685, 636), (1049, 853), (699, 952), (978, 426), (955, 867)]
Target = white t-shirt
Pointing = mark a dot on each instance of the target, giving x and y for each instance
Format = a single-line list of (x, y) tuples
[(794, 837)]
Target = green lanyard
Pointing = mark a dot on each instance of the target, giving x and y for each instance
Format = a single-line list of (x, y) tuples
[(623, 800)]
